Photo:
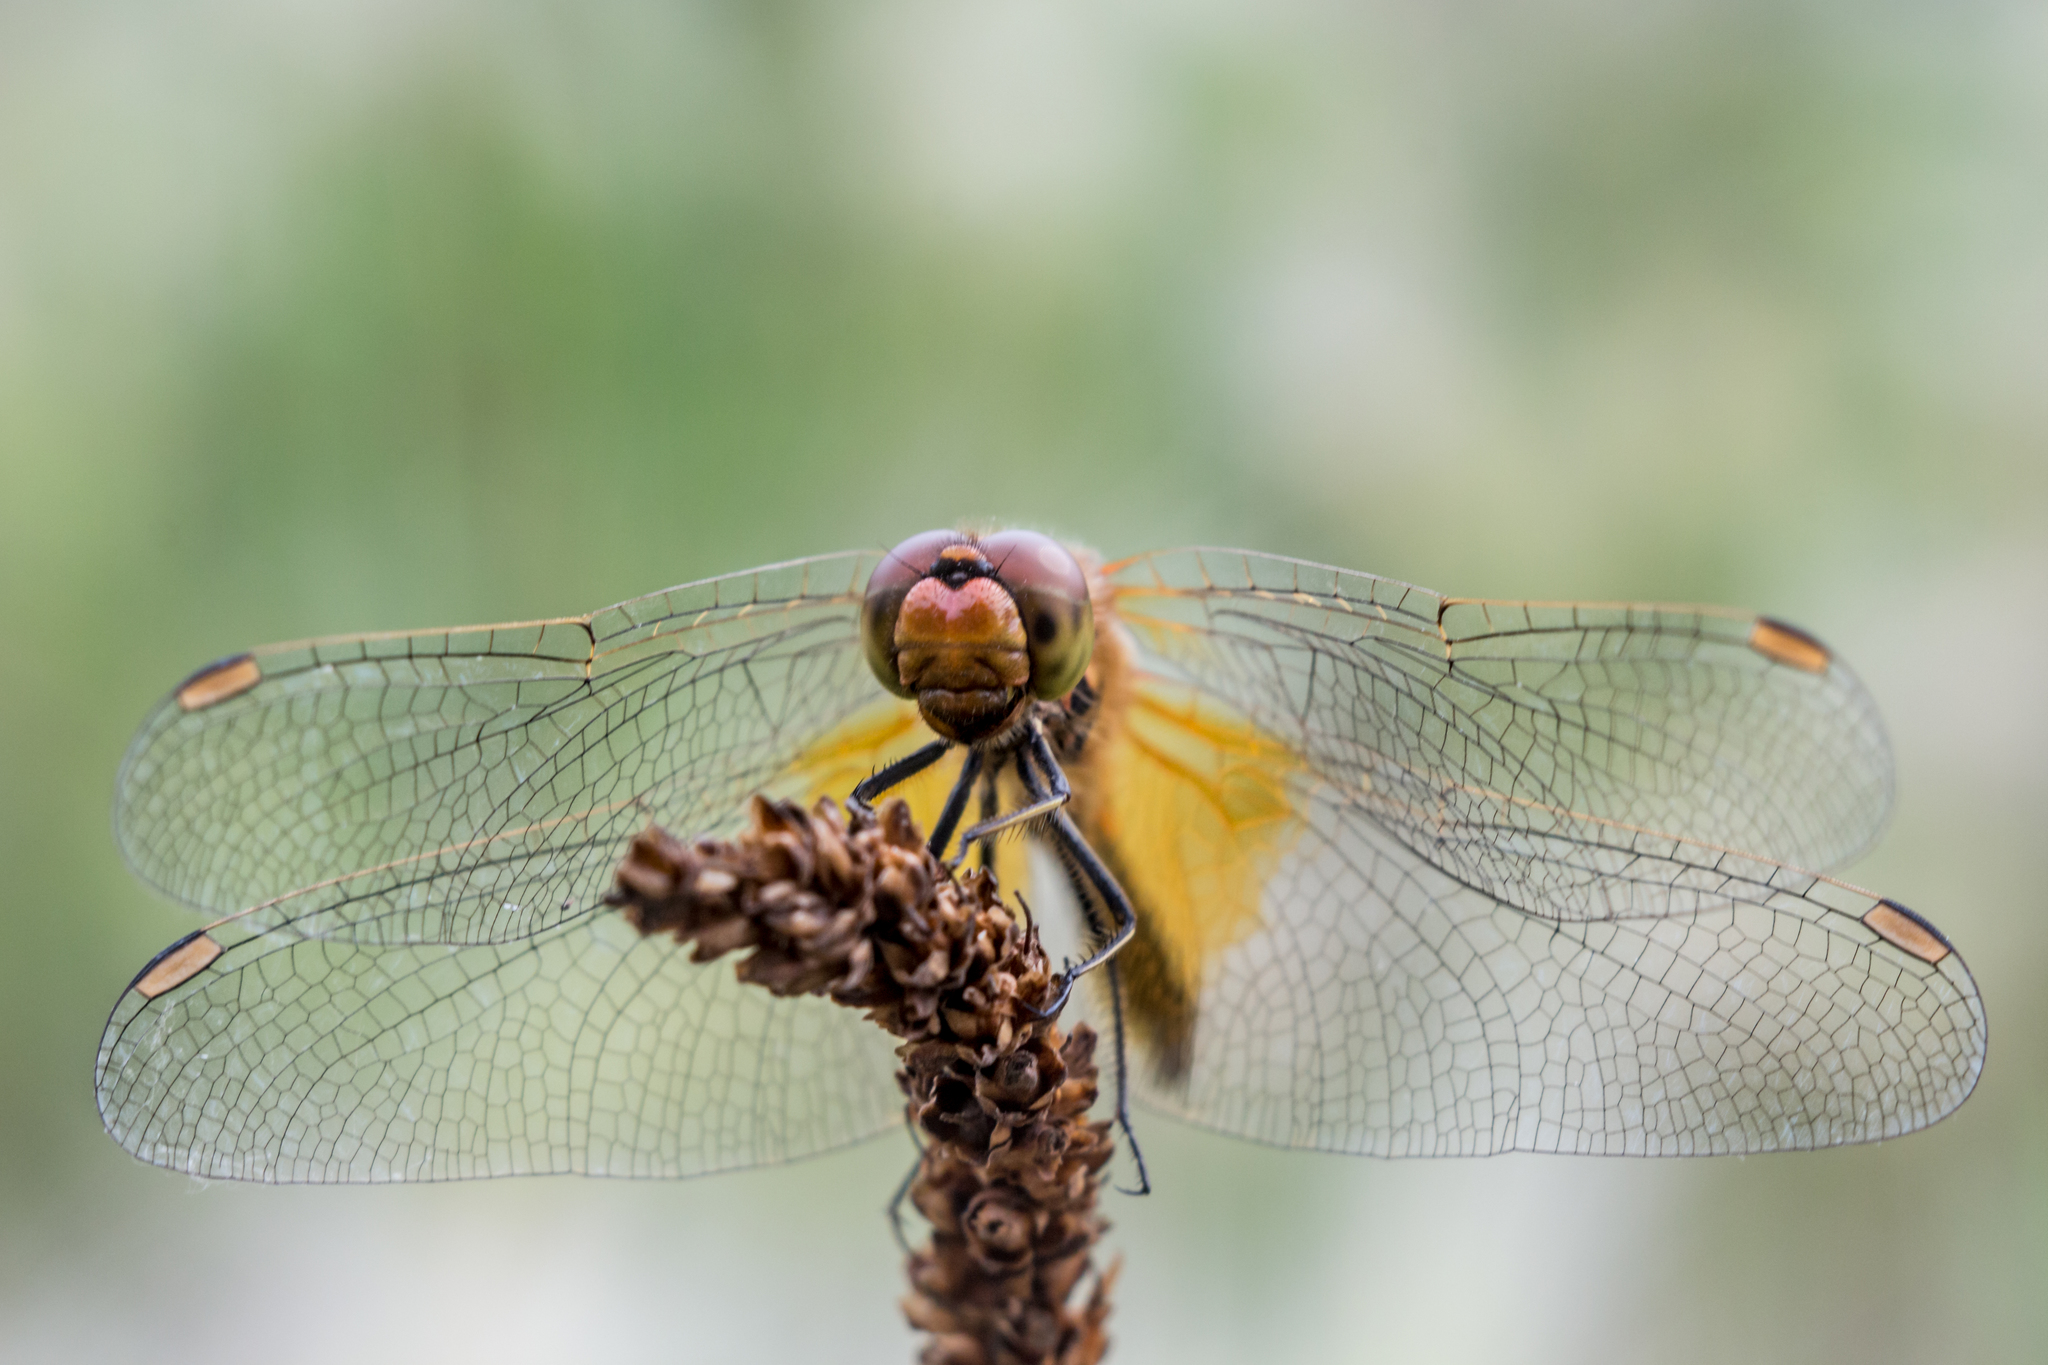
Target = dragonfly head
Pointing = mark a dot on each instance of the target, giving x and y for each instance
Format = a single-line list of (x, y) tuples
[(973, 627)]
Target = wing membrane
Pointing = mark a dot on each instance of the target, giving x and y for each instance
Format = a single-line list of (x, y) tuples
[(414, 830), (1388, 1008), (484, 777), (1480, 936), (584, 1048), (1670, 718), (1473, 934)]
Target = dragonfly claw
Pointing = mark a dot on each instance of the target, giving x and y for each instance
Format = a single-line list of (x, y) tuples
[(1059, 1000)]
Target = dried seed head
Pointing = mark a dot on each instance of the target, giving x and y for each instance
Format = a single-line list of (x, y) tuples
[(859, 912)]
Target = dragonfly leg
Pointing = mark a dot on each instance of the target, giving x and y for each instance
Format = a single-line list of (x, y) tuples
[(902, 770), (1123, 1080), (1085, 896), (1039, 804), (895, 1209), (990, 801), (1067, 841), (956, 802)]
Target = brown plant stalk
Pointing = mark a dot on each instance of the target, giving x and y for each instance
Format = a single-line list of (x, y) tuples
[(855, 909)]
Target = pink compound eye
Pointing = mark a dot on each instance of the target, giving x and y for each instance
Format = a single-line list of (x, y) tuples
[(1052, 596), (887, 585)]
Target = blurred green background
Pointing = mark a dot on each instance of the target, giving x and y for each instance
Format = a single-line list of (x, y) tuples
[(339, 316)]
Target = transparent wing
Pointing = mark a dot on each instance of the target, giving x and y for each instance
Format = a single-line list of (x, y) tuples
[(265, 1055), (1726, 727), (475, 786), (1387, 1008), (415, 831), (1477, 940)]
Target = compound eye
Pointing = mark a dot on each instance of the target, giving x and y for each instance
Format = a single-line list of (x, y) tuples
[(894, 577), (1052, 596)]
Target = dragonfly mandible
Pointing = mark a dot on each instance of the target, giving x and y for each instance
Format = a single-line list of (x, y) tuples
[(1406, 874)]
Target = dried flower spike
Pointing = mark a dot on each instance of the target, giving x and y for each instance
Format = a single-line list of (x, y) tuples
[(857, 910)]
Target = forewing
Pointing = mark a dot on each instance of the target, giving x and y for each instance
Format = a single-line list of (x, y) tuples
[(1478, 940), (475, 786), (265, 1055), (1725, 727), (1387, 1008)]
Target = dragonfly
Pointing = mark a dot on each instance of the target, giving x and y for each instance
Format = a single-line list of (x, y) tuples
[(1383, 871)]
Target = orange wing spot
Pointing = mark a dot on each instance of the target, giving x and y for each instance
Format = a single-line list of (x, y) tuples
[(1788, 645), (217, 682), (1199, 810), (1903, 929), (177, 965)]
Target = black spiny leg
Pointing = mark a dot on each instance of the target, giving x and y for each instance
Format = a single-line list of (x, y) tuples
[(895, 1209), (1123, 1079), (1068, 841), (1085, 896), (902, 770), (1037, 807), (956, 801), (990, 803)]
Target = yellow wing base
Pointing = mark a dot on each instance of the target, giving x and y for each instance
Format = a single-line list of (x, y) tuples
[(1189, 804)]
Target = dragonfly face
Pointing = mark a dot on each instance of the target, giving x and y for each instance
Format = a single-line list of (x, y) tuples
[(1414, 874), (971, 628)]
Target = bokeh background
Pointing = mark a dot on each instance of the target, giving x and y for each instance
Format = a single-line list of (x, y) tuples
[(352, 314)]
